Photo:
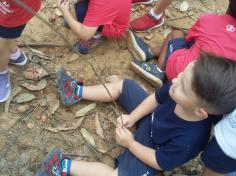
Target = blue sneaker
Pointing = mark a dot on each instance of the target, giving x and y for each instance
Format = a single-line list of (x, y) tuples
[(149, 72), (5, 87), (52, 164), (68, 88), (138, 48), (20, 61), (84, 47)]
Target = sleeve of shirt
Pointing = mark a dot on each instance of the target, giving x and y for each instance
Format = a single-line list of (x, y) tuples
[(98, 14), (163, 92), (172, 155), (193, 31)]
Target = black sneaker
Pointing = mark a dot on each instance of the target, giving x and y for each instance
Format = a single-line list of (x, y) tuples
[(138, 48), (149, 72)]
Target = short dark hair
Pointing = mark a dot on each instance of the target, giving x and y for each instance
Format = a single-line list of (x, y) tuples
[(232, 8), (214, 82)]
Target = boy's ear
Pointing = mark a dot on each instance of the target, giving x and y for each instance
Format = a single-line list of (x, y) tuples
[(201, 113)]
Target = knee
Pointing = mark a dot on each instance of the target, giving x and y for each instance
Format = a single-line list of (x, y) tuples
[(177, 34)]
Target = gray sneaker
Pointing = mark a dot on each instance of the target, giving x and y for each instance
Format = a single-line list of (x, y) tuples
[(149, 72), (5, 87), (20, 61)]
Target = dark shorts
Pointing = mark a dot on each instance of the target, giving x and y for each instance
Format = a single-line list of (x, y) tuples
[(176, 44), (11, 33), (81, 8), (215, 159), (128, 165)]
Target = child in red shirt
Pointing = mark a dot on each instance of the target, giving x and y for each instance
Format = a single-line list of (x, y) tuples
[(13, 19), (103, 17), (211, 33)]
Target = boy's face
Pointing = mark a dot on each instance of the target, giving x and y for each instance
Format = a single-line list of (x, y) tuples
[(181, 90)]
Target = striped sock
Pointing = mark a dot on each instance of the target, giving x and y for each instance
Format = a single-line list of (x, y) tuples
[(65, 167)]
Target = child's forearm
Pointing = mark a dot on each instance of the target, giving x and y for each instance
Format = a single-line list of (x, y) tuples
[(146, 107), (83, 32), (145, 154)]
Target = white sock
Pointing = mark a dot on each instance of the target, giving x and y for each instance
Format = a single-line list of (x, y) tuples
[(16, 55), (3, 72), (154, 14)]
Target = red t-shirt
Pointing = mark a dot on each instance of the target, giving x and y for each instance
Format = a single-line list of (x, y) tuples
[(114, 15), (212, 33), (12, 15)]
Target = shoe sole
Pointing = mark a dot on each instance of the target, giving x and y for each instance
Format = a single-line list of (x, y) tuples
[(134, 49), (145, 3), (22, 63), (8, 93), (59, 75), (156, 82), (148, 30)]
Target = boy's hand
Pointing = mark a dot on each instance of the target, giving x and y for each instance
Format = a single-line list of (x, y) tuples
[(128, 120), (63, 5), (124, 137)]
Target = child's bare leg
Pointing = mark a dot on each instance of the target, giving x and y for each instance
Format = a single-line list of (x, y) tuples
[(82, 168), (99, 93), (208, 172), (12, 45), (161, 5), (5, 54), (161, 63)]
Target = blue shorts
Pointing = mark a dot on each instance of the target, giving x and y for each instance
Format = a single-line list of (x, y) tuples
[(215, 159), (11, 33), (128, 165), (176, 44)]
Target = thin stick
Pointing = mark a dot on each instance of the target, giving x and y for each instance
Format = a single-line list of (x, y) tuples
[(42, 44)]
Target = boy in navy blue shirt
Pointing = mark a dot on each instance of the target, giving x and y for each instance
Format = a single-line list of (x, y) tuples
[(173, 124)]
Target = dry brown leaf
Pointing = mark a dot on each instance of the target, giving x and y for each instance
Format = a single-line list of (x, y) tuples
[(82, 112), (25, 97), (99, 129), (53, 103), (39, 86), (114, 78), (35, 73), (40, 54), (22, 108), (73, 58), (73, 127), (15, 91), (43, 102), (88, 137)]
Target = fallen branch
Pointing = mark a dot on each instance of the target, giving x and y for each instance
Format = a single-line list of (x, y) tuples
[(42, 44)]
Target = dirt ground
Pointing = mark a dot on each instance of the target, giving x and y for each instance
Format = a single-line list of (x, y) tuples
[(30, 130)]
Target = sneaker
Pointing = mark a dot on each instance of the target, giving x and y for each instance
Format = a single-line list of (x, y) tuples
[(145, 2), (5, 87), (52, 165), (145, 23), (138, 48), (150, 72), (84, 47), (67, 88), (20, 61)]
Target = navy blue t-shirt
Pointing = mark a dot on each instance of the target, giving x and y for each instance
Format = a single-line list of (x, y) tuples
[(177, 140)]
